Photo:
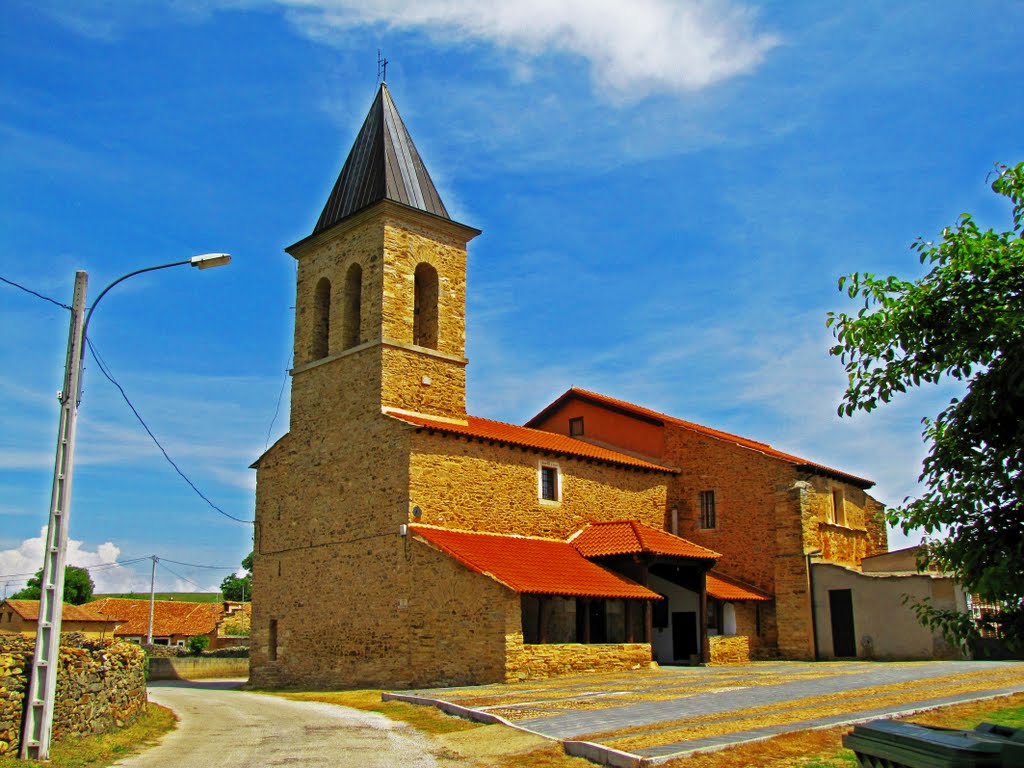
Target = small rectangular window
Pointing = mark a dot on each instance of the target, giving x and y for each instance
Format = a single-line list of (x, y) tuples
[(838, 507), (549, 482), (576, 426), (707, 509), (272, 641)]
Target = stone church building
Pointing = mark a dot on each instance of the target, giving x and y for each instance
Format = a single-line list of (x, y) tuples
[(402, 542)]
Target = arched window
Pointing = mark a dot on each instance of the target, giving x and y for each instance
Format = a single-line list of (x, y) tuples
[(321, 319), (353, 306), (424, 319)]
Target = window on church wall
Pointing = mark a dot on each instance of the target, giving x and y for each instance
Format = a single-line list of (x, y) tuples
[(707, 510), (424, 319), (837, 511), (576, 426), (549, 483), (353, 306), (321, 319)]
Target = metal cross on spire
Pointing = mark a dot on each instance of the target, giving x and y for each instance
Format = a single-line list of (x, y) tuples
[(382, 68)]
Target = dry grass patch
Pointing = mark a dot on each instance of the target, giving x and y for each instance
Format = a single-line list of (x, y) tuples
[(823, 748), (105, 749), (795, 711)]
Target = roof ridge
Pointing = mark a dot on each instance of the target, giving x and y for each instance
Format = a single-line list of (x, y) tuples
[(740, 440)]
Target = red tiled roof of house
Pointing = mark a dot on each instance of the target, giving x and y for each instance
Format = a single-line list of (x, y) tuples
[(549, 442), (726, 588), (755, 445), (532, 565), (622, 537), (170, 617), (29, 611)]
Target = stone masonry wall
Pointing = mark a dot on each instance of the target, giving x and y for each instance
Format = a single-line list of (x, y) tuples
[(472, 485), (795, 521), (535, 662), (100, 685), (729, 649), (744, 483)]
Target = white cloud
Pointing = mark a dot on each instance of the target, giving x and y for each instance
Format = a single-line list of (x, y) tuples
[(633, 49), (19, 563)]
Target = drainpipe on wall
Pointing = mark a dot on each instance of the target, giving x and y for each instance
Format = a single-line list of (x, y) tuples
[(810, 589)]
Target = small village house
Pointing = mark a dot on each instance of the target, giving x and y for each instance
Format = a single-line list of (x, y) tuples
[(21, 617)]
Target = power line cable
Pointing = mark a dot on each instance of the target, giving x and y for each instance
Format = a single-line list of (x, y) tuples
[(106, 373), (97, 566), (34, 293), (280, 396), (194, 565), (183, 578)]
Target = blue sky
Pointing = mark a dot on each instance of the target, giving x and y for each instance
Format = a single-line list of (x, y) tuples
[(668, 193)]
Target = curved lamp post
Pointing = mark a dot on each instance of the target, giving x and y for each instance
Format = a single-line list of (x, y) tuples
[(35, 736)]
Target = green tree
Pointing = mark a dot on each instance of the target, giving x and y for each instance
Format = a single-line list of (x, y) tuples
[(197, 644), (78, 586), (239, 588), (964, 320)]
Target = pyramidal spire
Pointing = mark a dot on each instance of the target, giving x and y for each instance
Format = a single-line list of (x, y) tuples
[(383, 164)]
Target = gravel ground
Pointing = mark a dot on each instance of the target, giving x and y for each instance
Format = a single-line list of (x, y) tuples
[(224, 727)]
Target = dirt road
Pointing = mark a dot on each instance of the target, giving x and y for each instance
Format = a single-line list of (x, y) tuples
[(224, 727)]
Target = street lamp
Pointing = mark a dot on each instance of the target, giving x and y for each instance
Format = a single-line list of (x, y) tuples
[(35, 736)]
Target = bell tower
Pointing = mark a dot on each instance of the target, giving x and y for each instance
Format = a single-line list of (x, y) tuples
[(381, 288)]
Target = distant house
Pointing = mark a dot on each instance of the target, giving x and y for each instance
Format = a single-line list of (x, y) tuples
[(174, 622), (20, 617)]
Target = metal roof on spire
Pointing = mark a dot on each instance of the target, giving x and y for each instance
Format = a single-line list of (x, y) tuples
[(383, 164)]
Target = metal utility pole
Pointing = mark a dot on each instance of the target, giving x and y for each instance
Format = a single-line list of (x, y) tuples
[(152, 601), (42, 687), (35, 739)]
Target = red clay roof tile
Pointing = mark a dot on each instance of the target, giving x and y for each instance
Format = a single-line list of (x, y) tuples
[(170, 617), (754, 445), (726, 588), (550, 442), (532, 565), (621, 537), (29, 611)]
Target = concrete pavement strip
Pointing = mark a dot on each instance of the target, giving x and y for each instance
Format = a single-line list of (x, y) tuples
[(589, 714)]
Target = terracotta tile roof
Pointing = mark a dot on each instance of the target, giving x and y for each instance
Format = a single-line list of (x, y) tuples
[(29, 611), (732, 590), (532, 565), (170, 617), (623, 537), (655, 416), (510, 434)]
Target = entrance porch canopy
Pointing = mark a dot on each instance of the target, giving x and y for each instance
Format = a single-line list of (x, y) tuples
[(530, 565)]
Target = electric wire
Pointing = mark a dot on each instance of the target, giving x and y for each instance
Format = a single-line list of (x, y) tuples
[(34, 293), (106, 373), (195, 565), (277, 408), (97, 566), (175, 573)]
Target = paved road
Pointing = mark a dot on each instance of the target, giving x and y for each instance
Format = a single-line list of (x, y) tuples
[(675, 710), (224, 727)]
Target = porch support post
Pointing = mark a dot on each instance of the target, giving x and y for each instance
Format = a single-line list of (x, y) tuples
[(705, 652), (543, 617), (630, 634), (586, 620), (648, 605)]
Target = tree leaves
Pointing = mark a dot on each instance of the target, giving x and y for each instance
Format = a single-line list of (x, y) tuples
[(963, 320)]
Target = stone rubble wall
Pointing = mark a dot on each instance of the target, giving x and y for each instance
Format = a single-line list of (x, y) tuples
[(536, 662), (729, 649), (101, 685)]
